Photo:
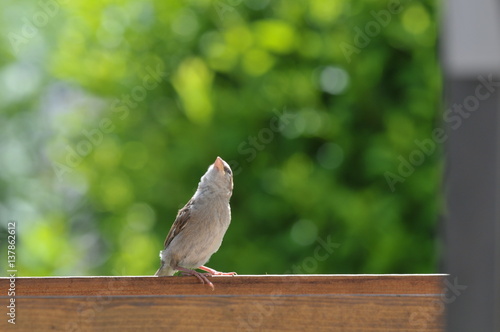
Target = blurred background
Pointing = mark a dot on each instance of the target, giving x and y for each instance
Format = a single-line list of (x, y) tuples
[(327, 111)]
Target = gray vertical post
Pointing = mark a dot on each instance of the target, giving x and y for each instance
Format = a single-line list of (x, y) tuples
[(471, 59)]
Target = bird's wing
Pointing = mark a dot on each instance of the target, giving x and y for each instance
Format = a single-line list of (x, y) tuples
[(180, 222)]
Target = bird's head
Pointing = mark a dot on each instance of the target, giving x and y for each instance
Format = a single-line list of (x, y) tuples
[(219, 177)]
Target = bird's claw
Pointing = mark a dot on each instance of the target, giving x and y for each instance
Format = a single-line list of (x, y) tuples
[(200, 276), (215, 272)]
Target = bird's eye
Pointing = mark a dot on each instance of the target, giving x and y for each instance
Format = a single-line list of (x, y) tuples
[(227, 170)]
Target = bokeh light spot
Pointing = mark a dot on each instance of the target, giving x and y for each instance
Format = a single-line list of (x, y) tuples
[(330, 155), (135, 155), (116, 191), (219, 55), (304, 232), (257, 62), (308, 122), (107, 154), (333, 80), (239, 38), (416, 19), (185, 23), (193, 81), (18, 80), (275, 35), (141, 217), (325, 12), (256, 4)]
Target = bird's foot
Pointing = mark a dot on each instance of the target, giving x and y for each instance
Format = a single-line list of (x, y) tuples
[(201, 276), (215, 272)]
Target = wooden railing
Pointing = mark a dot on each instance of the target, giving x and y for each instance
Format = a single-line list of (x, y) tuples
[(239, 303)]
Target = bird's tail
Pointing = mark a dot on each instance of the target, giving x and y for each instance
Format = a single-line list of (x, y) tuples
[(165, 269)]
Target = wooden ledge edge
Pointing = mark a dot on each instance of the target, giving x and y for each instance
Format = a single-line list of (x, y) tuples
[(274, 285), (256, 276)]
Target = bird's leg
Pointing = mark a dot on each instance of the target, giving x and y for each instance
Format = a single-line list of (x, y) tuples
[(201, 276), (216, 273)]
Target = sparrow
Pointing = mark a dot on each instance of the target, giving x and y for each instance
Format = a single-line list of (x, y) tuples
[(199, 227)]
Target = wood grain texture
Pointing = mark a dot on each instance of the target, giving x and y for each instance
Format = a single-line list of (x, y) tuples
[(244, 303)]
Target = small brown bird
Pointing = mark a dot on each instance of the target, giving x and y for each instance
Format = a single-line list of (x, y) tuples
[(200, 225)]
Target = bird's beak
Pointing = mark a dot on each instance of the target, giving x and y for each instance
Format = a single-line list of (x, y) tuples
[(219, 164)]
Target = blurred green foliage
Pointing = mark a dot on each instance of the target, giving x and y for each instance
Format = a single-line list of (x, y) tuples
[(112, 111)]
